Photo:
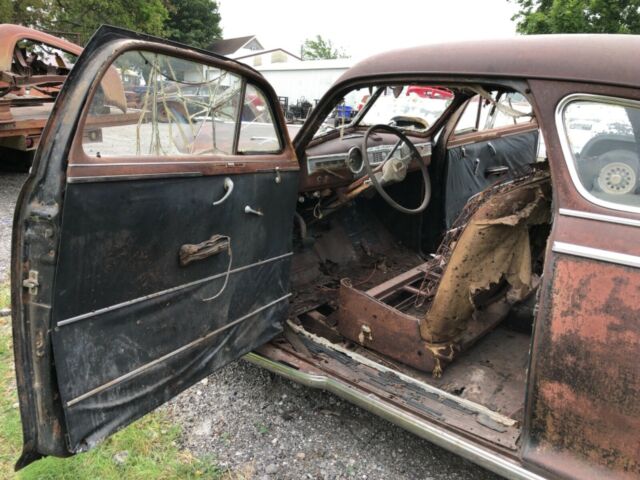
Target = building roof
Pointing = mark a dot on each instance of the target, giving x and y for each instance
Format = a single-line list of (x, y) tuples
[(611, 59), (228, 46), (260, 52)]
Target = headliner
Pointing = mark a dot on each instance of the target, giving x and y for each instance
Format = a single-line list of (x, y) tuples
[(610, 59)]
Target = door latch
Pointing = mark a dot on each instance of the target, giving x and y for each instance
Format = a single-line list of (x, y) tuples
[(31, 282)]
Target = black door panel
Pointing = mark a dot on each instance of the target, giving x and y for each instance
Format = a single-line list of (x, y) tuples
[(120, 284), (122, 238), (472, 168)]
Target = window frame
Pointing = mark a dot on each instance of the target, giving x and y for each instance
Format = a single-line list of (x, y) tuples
[(565, 144), (238, 131), (78, 157)]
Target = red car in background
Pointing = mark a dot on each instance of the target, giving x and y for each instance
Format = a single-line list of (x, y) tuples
[(430, 92)]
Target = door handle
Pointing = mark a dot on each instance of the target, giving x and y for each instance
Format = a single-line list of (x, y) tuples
[(248, 209), (228, 188)]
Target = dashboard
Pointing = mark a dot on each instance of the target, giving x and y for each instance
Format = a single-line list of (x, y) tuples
[(340, 160)]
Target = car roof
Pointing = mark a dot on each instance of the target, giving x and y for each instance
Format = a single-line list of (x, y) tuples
[(592, 58)]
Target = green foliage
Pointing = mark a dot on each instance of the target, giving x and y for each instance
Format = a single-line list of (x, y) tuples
[(85, 16), (6, 11), (32, 13), (319, 48), (577, 16), (150, 443), (194, 22)]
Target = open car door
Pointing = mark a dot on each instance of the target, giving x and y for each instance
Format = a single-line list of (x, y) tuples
[(152, 242)]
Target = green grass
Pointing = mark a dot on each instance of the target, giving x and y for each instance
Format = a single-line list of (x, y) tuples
[(150, 443)]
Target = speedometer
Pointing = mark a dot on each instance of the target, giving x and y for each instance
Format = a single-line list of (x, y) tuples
[(354, 160)]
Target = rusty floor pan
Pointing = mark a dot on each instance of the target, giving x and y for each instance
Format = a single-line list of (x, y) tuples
[(481, 394)]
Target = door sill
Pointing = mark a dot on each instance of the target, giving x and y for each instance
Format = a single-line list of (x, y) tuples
[(281, 362)]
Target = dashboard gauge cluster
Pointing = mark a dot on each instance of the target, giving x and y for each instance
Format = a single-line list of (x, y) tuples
[(353, 160)]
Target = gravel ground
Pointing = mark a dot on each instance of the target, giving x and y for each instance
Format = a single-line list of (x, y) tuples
[(10, 184), (264, 427)]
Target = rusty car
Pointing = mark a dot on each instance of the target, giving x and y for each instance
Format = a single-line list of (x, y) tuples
[(466, 267), (33, 67)]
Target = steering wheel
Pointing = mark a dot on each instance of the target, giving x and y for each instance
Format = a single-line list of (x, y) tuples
[(395, 169)]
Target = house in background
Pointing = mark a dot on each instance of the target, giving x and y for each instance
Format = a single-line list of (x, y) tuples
[(250, 51), (291, 77)]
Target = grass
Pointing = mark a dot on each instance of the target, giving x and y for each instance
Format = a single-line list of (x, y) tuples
[(147, 449)]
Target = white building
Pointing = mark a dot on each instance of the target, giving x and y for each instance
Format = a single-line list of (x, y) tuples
[(290, 76), (309, 79)]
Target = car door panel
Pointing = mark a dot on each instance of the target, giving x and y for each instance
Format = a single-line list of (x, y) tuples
[(133, 288), (110, 322), (474, 166)]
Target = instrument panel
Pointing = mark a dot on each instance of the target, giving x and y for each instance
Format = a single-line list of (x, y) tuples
[(353, 161)]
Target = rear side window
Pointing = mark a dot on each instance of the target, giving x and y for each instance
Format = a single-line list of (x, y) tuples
[(494, 110), (602, 150)]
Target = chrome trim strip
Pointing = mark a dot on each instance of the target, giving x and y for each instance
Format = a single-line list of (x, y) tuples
[(141, 176), (416, 425), (329, 156), (173, 353), (599, 217), (100, 311), (568, 154), (597, 254), (239, 161)]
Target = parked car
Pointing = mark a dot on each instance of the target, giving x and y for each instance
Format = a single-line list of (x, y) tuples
[(456, 279)]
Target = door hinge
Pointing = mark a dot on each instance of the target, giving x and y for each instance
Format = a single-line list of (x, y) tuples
[(31, 282)]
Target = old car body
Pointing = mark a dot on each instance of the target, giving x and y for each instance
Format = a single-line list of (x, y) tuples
[(498, 319)]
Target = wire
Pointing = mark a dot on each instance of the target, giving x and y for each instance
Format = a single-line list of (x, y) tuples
[(227, 275)]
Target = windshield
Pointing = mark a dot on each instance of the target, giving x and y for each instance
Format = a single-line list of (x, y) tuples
[(409, 107)]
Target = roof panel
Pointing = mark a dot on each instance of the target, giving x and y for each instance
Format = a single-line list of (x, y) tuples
[(613, 59)]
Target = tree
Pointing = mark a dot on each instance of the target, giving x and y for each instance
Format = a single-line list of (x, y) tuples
[(577, 16), (85, 16), (318, 48), (6, 11), (194, 22), (32, 13)]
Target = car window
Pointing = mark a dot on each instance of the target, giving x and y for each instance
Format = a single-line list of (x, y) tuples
[(173, 107), (494, 110), (408, 107), (603, 150), (474, 116), (512, 109), (257, 131)]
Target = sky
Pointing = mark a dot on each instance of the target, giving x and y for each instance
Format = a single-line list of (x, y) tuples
[(362, 27)]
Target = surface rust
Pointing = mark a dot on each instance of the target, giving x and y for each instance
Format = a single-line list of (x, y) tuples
[(586, 410)]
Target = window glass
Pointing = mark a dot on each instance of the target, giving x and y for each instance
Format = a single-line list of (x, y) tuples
[(496, 110), (602, 138), (170, 107), (408, 107), (258, 132), (412, 107), (470, 121), (512, 109)]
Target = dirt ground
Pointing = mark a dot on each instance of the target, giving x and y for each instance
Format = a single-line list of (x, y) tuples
[(262, 426)]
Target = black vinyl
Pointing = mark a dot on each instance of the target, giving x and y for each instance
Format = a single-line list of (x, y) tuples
[(466, 167), (120, 242)]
